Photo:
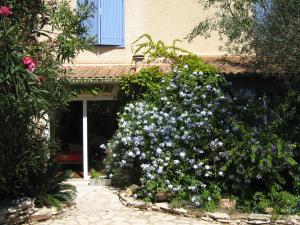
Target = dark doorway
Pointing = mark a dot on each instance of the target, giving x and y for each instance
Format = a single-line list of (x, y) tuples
[(69, 133), (102, 124)]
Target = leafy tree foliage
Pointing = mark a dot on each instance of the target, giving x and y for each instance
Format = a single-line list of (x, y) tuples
[(36, 38), (266, 29)]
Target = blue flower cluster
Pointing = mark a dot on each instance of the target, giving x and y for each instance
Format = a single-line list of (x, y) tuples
[(171, 139)]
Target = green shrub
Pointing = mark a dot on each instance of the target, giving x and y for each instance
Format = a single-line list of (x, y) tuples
[(32, 86), (145, 84), (51, 189), (164, 145), (193, 137)]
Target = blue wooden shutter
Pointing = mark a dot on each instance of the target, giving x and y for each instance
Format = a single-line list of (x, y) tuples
[(93, 22), (262, 10), (112, 22)]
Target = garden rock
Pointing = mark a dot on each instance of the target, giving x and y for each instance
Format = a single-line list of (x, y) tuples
[(17, 211), (269, 210), (39, 216), (164, 206), (262, 217), (259, 222), (179, 211), (227, 204), (23, 203), (131, 190), (218, 215)]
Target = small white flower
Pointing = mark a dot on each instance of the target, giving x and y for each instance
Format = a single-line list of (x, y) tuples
[(158, 150), (207, 167), (191, 161), (130, 153), (160, 170), (182, 154), (221, 173), (176, 161), (203, 113), (186, 66), (170, 186)]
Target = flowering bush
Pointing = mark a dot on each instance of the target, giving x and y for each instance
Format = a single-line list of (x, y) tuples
[(32, 85), (196, 141), (169, 142)]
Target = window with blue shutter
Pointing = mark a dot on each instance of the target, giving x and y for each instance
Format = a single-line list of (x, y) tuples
[(262, 9), (107, 24)]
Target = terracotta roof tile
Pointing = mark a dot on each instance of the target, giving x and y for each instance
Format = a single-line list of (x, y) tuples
[(231, 64), (226, 65), (113, 72), (99, 72)]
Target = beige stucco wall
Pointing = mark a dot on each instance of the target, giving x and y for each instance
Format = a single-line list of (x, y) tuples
[(164, 20)]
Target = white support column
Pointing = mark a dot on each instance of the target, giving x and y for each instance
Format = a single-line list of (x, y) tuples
[(85, 140)]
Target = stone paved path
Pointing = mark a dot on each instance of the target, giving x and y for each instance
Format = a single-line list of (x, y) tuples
[(98, 205)]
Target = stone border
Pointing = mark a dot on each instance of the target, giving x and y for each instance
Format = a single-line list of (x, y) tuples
[(23, 210), (220, 217), (17, 211)]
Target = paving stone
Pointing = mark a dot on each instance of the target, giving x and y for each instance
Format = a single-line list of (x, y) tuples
[(96, 205)]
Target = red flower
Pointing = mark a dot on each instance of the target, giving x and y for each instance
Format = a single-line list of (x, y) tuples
[(5, 11), (27, 60), (31, 67), (29, 63)]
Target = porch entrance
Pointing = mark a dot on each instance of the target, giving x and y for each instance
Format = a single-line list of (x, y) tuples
[(83, 129)]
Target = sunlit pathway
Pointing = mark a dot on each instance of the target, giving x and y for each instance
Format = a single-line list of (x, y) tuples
[(100, 205)]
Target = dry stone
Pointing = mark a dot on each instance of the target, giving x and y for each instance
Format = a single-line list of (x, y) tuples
[(17, 211), (259, 222), (218, 215), (263, 217), (179, 211), (131, 190), (227, 204), (164, 206)]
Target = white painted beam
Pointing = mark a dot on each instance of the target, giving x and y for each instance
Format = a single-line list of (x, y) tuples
[(85, 140)]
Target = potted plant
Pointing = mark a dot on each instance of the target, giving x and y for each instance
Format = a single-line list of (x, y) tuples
[(98, 180)]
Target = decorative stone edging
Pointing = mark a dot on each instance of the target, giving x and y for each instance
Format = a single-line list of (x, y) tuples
[(17, 211), (220, 217), (22, 210)]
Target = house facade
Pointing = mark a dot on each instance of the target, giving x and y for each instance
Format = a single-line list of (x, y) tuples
[(116, 24)]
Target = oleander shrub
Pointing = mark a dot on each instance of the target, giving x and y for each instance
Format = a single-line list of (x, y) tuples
[(33, 86)]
